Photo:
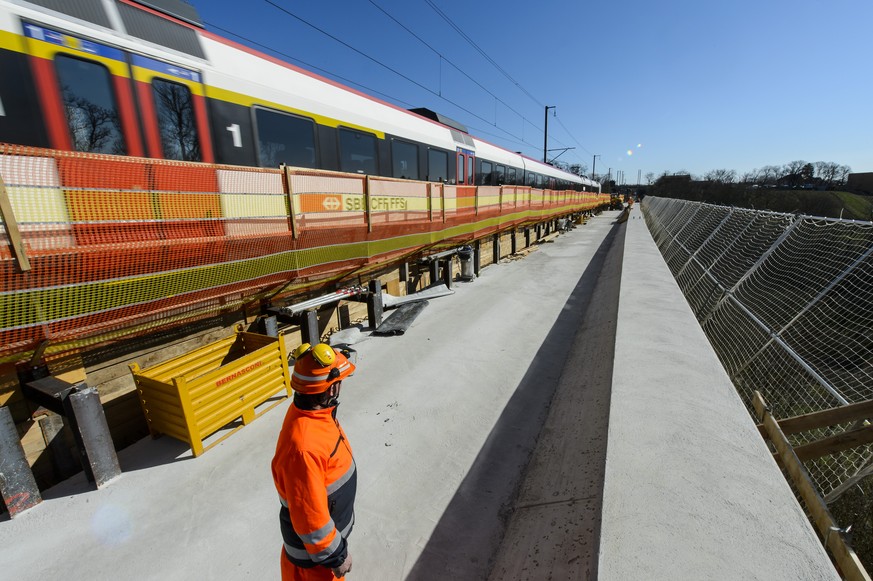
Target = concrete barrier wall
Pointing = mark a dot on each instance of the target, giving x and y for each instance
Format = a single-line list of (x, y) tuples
[(691, 490)]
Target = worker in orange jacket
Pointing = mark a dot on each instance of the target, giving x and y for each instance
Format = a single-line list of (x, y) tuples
[(314, 470)]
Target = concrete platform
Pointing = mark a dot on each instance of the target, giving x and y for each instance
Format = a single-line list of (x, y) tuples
[(445, 421)]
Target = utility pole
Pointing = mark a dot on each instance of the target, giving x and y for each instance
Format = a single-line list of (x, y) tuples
[(546, 135), (593, 165)]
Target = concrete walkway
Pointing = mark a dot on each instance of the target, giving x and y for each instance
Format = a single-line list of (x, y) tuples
[(444, 421), (691, 491)]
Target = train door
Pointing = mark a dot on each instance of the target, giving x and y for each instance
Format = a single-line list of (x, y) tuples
[(466, 191), (84, 91), (172, 109)]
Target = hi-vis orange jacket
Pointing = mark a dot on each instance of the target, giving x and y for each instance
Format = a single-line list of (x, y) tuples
[(315, 476)]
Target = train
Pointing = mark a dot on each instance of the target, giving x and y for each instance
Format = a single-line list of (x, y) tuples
[(157, 172)]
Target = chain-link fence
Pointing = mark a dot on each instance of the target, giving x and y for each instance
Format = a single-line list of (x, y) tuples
[(787, 303)]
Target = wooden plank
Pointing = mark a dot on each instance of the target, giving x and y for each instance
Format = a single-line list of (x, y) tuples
[(822, 419), (833, 444), (12, 229), (290, 193), (847, 560)]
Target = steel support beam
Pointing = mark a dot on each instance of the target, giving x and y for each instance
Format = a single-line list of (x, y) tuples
[(309, 332), (447, 271), (92, 436), (81, 408), (17, 484), (374, 303)]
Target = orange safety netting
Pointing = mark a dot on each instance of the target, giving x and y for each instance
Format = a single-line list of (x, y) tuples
[(119, 246)]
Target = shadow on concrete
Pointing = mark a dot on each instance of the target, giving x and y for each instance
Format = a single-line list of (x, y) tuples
[(467, 537)]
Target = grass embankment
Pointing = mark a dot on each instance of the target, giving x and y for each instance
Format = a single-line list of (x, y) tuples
[(809, 202), (861, 207)]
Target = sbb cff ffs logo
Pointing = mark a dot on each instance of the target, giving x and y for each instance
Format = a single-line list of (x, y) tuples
[(356, 204)]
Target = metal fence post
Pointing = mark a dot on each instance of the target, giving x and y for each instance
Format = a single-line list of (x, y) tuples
[(374, 304)]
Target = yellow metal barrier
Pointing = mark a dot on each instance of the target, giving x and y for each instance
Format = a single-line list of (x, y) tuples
[(192, 396)]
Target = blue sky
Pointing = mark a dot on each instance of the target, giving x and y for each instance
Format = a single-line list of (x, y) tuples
[(648, 86)]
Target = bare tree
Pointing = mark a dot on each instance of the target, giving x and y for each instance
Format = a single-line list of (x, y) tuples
[(793, 167), (842, 174), (580, 169), (751, 177), (724, 176), (826, 171), (769, 174), (650, 178)]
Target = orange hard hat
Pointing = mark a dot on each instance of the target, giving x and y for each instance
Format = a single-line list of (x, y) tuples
[(310, 375)]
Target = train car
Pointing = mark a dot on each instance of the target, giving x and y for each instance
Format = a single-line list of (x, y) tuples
[(141, 155)]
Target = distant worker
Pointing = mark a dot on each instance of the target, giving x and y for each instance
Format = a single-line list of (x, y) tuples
[(314, 470)]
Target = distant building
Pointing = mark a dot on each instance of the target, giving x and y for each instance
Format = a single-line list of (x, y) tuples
[(860, 182)]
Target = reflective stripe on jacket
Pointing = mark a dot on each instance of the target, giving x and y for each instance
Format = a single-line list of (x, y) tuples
[(315, 476)]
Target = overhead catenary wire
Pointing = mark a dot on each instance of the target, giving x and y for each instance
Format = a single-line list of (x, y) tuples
[(472, 43), (512, 138), (393, 70), (479, 49), (449, 61), (477, 83)]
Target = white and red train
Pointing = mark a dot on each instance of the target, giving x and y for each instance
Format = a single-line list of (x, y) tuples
[(140, 155)]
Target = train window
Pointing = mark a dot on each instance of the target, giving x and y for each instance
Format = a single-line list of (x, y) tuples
[(485, 171), (470, 160), (89, 104), (531, 179), (284, 138), (461, 178), (437, 166), (176, 123), (500, 175), (357, 152), (510, 177), (404, 159)]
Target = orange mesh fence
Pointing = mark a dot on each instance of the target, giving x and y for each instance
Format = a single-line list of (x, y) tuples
[(119, 246)]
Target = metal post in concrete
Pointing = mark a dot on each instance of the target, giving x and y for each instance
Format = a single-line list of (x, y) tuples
[(526, 237), (60, 443), (404, 272), (309, 327), (495, 249), (17, 484), (374, 301), (447, 272), (344, 317), (92, 436), (271, 326), (477, 257), (434, 270), (513, 242)]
